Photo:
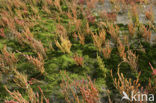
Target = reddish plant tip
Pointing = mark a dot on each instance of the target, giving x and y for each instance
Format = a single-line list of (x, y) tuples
[(154, 70), (78, 60), (81, 1), (91, 19), (112, 16), (10, 101), (2, 32)]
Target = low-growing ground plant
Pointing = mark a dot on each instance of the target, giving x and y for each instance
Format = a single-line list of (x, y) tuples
[(85, 38)]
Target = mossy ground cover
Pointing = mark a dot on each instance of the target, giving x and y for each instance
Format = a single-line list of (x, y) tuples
[(54, 38)]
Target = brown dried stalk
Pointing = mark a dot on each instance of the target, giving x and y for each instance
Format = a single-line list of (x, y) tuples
[(81, 2), (73, 15), (77, 23), (88, 30), (82, 38), (99, 40), (75, 36), (154, 70), (102, 35), (131, 29), (37, 62), (146, 33), (19, 22), (108, 16), (38, 47), (91, 3), (89, 92), (57, 5), (65, 45), (60, 30), (151, 87), (132, 60), (112, 16), (46, 9), (7, 20), (107, 51), (69, 15), (149, 15), (49, 2), (121, 48), (114, 31), (86, 89), (91, 19), (18, 4), (126, 85), (10, 101), (7, 60), (17, 96), (78, 60), (21, 80), (33, 43), (2, 34), (33, 98), (73, 7)]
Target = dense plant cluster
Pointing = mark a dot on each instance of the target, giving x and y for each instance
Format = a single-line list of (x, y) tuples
[(74, 53)]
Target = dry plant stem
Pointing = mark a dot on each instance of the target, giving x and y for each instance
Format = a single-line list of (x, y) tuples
[(82, 38), (114, 31), (61, 31), (7, 60), (11, 21), (121, 49), (56, 3), (78, 60), (22, 81), (33, 98), (146, 33), (37, 62), (91, 3), (154, 70), (131, 29), (99, 40), (131, 59), (126, 85), (87, 90), (16, 96), (151, 88), (88, 31), (107, 51), (2, 34), (35, 44), (27, 37), (149, 15)]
